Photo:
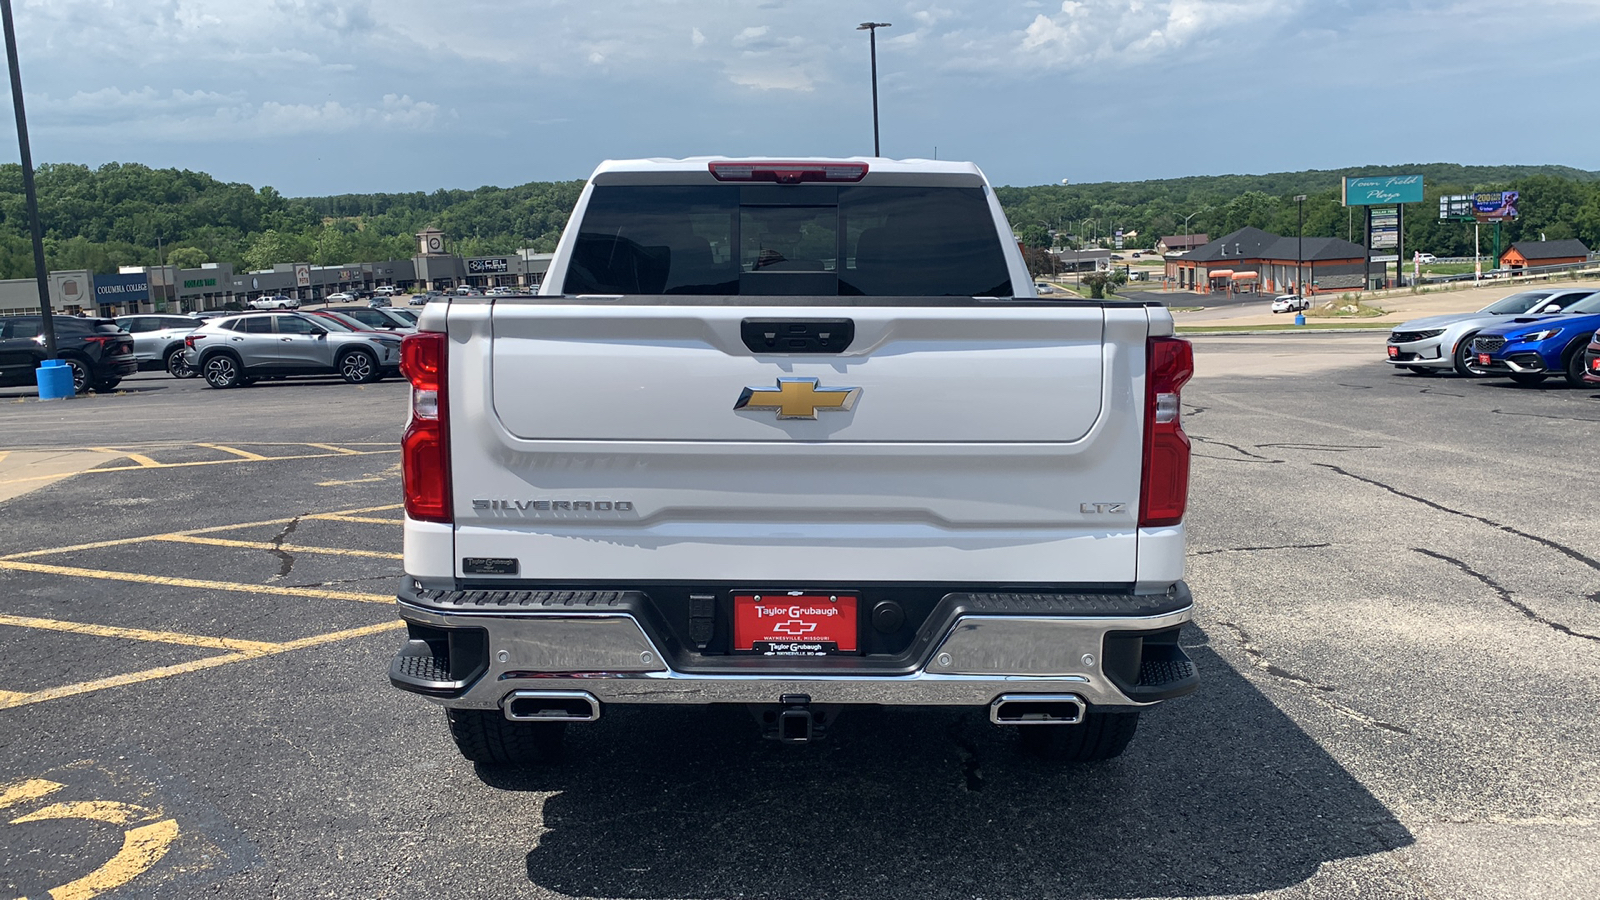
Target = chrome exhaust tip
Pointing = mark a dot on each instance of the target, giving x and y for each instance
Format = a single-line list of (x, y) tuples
[(1037, 709), (551, 706)]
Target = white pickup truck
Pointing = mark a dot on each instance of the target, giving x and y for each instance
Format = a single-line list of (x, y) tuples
[(795, 435)]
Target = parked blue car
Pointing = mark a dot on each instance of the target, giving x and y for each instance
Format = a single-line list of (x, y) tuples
[(1532, 348)]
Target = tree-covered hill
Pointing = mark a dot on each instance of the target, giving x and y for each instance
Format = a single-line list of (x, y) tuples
[(120, 213)]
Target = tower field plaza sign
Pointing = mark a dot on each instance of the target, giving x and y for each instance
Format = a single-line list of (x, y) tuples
[(1381, 190)]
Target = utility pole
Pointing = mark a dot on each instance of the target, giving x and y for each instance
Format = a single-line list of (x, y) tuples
[(1300, 248), (872, 38), (40, 274)]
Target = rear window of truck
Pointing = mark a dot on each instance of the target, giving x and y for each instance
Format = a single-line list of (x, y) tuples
[(817, 240)]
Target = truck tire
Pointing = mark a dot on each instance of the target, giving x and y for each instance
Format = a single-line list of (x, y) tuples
[(486, 736), (1100, 736)]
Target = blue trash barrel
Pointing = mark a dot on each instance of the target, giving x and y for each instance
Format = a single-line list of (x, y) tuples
[(1299, 319), (55, 380)]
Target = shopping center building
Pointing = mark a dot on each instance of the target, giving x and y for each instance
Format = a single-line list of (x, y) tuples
[(1254, 260), (216, 285)]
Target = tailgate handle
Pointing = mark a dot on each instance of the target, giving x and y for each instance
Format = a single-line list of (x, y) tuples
[(797, 335)]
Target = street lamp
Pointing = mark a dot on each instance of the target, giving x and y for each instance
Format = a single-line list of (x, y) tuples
[(40, 273), (1300, 247), (872, 29), (1186, 226)]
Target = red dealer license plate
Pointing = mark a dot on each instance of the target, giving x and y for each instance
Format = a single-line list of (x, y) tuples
[(1393, 352), (794, 624), (1483, 359)]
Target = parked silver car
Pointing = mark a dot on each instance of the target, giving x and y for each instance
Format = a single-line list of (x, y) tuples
[(240, 349), (1442, 343), (158, 341)]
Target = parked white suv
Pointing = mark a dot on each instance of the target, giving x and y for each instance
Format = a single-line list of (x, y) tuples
[(1290, 303)]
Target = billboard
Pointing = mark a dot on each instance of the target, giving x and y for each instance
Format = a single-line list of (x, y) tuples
[(1494, 205), (1373, 190), (1456, 208)]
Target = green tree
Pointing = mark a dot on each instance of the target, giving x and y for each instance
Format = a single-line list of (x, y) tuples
[(187, 257)]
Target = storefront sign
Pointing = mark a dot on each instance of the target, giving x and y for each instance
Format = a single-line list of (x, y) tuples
[(302, 276), (199, 282), (1372, 190), (132, 288), (487, 266)]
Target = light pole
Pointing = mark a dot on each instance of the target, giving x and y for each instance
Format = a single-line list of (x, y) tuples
[(1300, 247), (872, 39), (42, 276), (1186, 226)]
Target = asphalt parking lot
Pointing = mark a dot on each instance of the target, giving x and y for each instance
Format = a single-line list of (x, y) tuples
[(1398, 630)]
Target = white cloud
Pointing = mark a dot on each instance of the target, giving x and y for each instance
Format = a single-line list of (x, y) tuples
[(1096, 30), (752, 33), (696, 38)]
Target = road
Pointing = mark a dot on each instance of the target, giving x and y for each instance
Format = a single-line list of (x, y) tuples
[(1398, 631)]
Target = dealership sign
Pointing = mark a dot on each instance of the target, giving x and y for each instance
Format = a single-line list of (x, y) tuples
[(487, 266), (1375, 190), (122, 288)]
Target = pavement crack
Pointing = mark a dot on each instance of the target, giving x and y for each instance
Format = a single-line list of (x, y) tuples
[(1529, 415), (317, 584), (1325, 448), (1563, 549), (1235, 448), (285, 558), (1438, 393), (1257, 549), (1260, 661), (1505, 595)]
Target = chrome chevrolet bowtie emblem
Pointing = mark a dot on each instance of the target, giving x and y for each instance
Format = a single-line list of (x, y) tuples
[(797, 398)]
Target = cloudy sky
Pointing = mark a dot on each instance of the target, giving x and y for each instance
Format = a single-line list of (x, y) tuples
[(331, 96)]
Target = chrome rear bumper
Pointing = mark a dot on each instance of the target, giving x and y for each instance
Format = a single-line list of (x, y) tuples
[(610, 657)]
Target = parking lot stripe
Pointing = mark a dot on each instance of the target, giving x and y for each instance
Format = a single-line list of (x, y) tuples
[(335, 449), (365, 520), (4, 696), (246, 454), (268, 545), (210, 662), (240, 587), (137, 634), (119, 542), (144, 462), (26, 791), (152, 464)]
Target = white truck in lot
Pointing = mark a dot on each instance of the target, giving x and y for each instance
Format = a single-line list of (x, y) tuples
[(795, 435)]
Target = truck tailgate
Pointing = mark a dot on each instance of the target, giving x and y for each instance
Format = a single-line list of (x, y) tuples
[(975, 444)]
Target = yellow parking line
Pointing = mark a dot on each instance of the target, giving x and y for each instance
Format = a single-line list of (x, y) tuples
[(240, 587), (210, 662), (268, 545), (137, 634), (374, 479), (246, 454), (144, 462), (152, 464), (119, 542), (5, 696), (365, 520), (335, 449), (25, 791)]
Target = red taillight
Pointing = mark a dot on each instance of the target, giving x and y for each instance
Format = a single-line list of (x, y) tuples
[(188, 340), (788, 172), (1169, 362), (425, 448)]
